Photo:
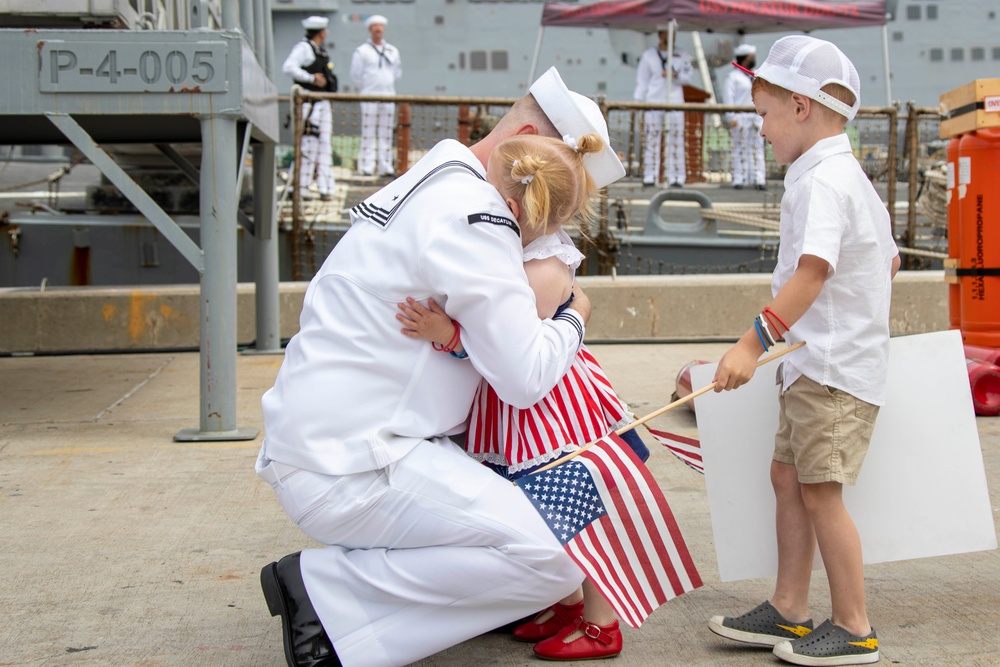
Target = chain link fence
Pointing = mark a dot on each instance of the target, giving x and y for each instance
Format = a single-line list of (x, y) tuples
[(705, 225)]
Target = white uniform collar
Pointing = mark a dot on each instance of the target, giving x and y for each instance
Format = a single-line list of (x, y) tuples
[(381, 207)]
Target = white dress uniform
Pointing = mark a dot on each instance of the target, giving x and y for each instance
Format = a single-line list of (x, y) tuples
[(374, 71), (425, 547), (317, 155), (651, 86), (748, 145)]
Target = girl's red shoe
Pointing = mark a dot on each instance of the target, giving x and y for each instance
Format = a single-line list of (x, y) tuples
[(598, 641), (562, 615)]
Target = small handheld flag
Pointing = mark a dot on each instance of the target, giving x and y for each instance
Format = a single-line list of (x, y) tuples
[(609, 514)]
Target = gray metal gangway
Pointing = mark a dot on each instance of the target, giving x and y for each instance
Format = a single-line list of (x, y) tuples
[(204, 76)]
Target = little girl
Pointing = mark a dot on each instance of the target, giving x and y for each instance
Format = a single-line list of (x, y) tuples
[(580, 409)]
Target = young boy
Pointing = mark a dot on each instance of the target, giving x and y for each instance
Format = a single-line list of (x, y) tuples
[(831, 288)]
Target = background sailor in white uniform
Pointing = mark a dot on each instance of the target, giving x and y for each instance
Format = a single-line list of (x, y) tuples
[(375, 68), (308, 64), (651, 86), (426, 547), (748, 145)]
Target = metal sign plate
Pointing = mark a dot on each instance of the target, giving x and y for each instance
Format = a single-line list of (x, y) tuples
[(131, 67)]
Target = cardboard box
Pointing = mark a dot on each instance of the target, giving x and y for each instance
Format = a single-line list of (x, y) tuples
[(970, 107)]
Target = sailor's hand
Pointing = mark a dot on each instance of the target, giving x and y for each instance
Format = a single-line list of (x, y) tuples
[(319, 80)]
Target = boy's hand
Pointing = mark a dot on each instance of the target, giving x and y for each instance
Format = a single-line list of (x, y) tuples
[(738, 364), (431, 324)]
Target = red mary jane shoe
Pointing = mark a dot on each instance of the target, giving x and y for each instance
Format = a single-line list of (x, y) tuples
[(598, 641), (562, 615)]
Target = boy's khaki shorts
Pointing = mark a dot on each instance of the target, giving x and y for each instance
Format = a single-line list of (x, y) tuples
[(824, 432)]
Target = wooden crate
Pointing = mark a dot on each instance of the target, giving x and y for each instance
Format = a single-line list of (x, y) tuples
[(970, 107)]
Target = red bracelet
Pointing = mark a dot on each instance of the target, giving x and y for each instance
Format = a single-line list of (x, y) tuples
[(453, 343), (770, 313)]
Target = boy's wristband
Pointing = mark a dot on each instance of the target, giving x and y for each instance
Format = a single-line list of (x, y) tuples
[(760, 335)]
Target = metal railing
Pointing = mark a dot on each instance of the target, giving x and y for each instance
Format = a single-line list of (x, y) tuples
[(896, 150)]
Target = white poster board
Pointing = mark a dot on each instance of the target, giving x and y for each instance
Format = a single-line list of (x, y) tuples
[(922, 490)]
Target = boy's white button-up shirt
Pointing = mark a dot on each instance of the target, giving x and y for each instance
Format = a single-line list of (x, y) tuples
[(831, 210)]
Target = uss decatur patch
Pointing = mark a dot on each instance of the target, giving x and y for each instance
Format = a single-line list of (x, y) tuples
[(494, 220)]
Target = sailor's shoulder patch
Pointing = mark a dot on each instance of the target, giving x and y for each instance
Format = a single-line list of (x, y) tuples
[(495, 219)]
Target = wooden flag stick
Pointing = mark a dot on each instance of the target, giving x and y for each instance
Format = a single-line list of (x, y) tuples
[(707, 388), (667, 408)]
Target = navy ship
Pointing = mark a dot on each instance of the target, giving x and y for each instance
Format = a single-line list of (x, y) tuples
[(450, 48), (487, 47)]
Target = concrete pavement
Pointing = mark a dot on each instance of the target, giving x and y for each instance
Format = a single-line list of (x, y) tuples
[(122, 547)]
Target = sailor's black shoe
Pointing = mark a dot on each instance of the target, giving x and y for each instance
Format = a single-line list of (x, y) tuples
[(306, 642)]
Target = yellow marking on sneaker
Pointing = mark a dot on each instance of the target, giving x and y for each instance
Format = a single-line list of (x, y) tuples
[(798, 630), (871, 643)]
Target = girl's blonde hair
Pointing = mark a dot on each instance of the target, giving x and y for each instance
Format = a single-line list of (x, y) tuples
[(547, 177)]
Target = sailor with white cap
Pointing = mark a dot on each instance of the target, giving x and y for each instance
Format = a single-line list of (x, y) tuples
[(425, 547), (748, 145), (651, 86), (309, 65), (375, 68)]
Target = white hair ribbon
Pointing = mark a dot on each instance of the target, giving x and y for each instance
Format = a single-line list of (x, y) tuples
[(527, 179), (571, 141)]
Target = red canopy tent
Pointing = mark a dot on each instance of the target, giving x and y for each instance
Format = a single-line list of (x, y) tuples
[(735, 16), (727, 16)]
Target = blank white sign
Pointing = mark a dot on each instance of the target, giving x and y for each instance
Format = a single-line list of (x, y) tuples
[(922, 490)]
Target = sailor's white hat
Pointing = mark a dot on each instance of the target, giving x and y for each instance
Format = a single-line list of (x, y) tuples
[(744, 50), (375, 18), (315, 23), (575, 115)]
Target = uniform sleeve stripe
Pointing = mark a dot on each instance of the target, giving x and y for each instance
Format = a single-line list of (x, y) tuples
[(572, 318)]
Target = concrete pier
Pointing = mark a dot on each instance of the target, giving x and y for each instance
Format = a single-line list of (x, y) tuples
[(123, 548), (630, 308)]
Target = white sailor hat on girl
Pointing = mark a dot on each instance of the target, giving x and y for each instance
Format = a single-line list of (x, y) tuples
[(574, 116), (804, 64), (315, 23)]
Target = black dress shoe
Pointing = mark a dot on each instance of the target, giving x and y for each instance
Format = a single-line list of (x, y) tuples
[(306, 642)]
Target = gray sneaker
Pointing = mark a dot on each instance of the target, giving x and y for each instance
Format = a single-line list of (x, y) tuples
[(830, 644), (762, 625)]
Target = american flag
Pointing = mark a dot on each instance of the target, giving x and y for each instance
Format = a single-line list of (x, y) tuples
[(611, 517), (686, 449)]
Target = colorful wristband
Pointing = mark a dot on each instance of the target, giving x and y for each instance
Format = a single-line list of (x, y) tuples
[(756, 326)]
